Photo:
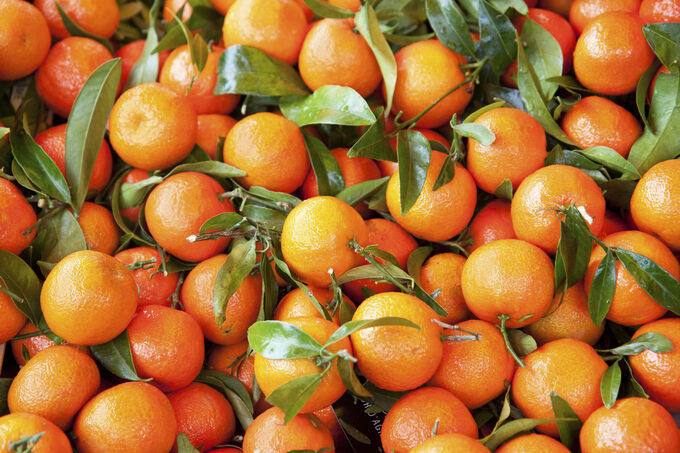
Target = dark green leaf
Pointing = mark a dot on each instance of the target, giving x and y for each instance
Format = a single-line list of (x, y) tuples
[(145, 70), (655, 342), (329, 179), (239, 263), (544, 55), (373, 143), (352, 326), (479, 132), (116, 357), (211, 168), (327, 10), (198, 49), (281, 340), (633, 387), (664, 39), (120, 221), (413, 152), (655, 280), (222, 221), (481, 111), (86, 127), (63, 236), (270, 289), (184, 444), (570, 425), (448, 22), (235, 392), (21, 284), (350, 379), (504, 190), (503, 5), (575, 247), (357, 193), (416, 260), (602, 289), (513, 428), (642, 89), (4, 389), (497, 37), (401, 40), (559, 156), (610, 384), (285, 201), (292, 396), (247, 70), (612, 160), (76, 30), (330, 104)]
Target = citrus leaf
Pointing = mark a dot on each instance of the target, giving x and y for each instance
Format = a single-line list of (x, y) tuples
[(63, 236), (664, 39), (327, 10), (86, 126), (184, 444), (602, 289), (633, 387), (655, 342), (503, 5), (655, 280), (76, 30), (413, 153), (146, 69), (416, 260), (367, 23), (21, 284), (513, 428), (222, 221), (210, 168), (612, 160), (247, 70), (281, 340), (270, 289), (575, 246), (402, 40), (448, 22), (233, 390), (133, 193), (349, 328), (120, 221), (504, 190), (350, 379), (198, 49), (329, 179), (237, 266), (523, 344), (610, 384), (292, 396), (357, 193), (476, 131), (373, 143), (116, 357), (330, 104), (365, 272), (544, 54), (497, 38), (569, 424), (642, 89)]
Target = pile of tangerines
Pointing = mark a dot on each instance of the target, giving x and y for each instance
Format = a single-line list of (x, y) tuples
[(313, 226)]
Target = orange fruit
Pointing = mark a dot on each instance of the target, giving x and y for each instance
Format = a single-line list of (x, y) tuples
[(437, 215), (133, 176), (166, 345), (392, 238), (296, 304), (98, 17), (382, 351), (68, 65), (352, 5), (632, 424), (612, 54), (171, 7), (14, 427), (521, 285), (655, 11), (270, 149), (328, 418), (53, 142), (354, 171), (158, 136), (16, 217), (532, 443), (655, 201), (24, 39), (443, 272), (426, 70), (12, 319), (388, 168), (568, 317), (273, 373), (130, 54), (268, 433), (658, 373), (154, 287), (492, 222), (450, 442), (554, 186), (332, 54), (582, 12), (276, 27), (222, 5), (210, 128), (570, 368), (561, 7), (134, 417), (89, 298), (34, 344), (596, 121), (631, 305), (99, 228), (242, 309), (518, 150), (179, 73), (54, 384), (475, 370), (204, 415), (316, 236), (412, 419), (176, 209)]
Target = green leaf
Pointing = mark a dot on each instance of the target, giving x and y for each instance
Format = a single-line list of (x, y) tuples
[(270, 289), (655, 342), (664, 39), (350, 379), (655, 280), (612, 160), (247, 70), (330, 104), (235, 392), (325, 9), (522, 343), (497, 38), (86, 126), (481, 111), (4, 389), (292, 396), (504, 190), (602, 289), (366, 22), (569, 425), (544, 54), (184, 444), (402, 41), (610, 384), (198, 49), (222, 221), (146, 69), (476, 131), (513, 428), (642, 89), (357, 193), (76, 30), (448, 22), (239, 263), (633, 387), (329, 179), (373, 143), (503, 5), (413, 153), (116, 357), (416, 260), (210, 168), (575, 247), (349, 328), (281, 340), (115, 210), (37, 165), (21, 284), (63, 236), (133, 193)]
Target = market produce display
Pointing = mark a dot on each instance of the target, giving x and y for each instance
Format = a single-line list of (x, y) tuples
[(287, 226)]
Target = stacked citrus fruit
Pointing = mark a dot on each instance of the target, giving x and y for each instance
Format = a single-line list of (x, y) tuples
[(331, 225)]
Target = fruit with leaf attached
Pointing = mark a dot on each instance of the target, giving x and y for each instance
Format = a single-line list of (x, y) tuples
[(16, 218), (210, 128), (100, 17), (99, 228), (303, 432), (442, 272), (18, 426), (155, 288), (12, 319), (296, 304)]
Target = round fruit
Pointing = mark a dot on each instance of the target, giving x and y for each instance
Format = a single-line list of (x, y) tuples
[(296, 304), (655, 11), (450, 442), (99, 228), (154, 287), (442, 272), (16, 217), (268, 433), (12, 319), (98, 17), (210, 129), (492, 222), (15, 427), (24, 39), (533, 443), (133, 176), (582, 12)]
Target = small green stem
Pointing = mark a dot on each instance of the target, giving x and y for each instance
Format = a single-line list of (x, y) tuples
[(354, 245), (144, 265), (504, 318)]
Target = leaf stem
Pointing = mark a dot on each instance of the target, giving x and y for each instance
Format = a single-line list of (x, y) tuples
[(504, 318)]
